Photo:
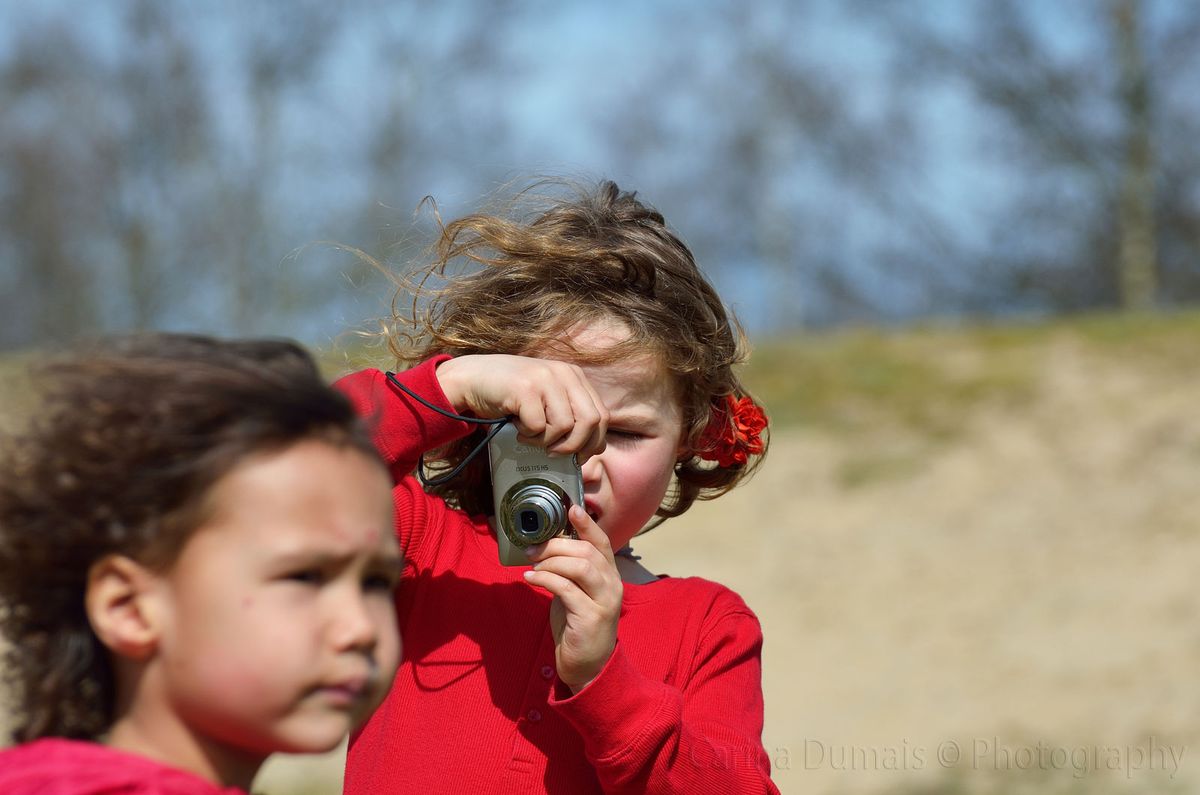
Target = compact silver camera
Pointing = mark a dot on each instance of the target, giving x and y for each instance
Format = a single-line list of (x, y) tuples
[(531, 492)]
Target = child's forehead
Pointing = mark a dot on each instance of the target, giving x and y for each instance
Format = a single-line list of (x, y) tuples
[(602, 340), (309, 492), (607, 349), (599, 334)]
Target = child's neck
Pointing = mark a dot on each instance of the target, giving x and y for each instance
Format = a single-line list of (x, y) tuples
[(633, 572), (172, 744)]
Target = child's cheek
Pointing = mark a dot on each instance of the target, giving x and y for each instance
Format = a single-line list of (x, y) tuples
[(231, 681), (255, 648)]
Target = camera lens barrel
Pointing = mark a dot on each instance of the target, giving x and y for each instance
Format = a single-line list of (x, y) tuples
[(534, 511)]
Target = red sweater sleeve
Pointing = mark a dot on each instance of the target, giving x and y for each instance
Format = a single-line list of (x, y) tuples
[(402, 429), (646, 736)]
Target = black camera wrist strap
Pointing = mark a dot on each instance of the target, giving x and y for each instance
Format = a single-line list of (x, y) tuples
[(496, 424)]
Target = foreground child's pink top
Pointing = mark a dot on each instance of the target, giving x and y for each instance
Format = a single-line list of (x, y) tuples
[(73, 767), (476, 706)]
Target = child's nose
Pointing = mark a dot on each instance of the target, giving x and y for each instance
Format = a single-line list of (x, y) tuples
[(592, 468), (355, 627)]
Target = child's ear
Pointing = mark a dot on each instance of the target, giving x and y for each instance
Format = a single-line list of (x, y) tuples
[(121, 602)]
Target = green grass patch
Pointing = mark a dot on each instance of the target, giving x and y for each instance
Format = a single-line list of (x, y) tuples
[(864, 468), (353, 351), (16, 396), (1162, 339), (929, 380), (922, 379)]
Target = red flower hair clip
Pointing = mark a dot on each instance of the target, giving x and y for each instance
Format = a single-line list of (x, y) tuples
[(733, 433)]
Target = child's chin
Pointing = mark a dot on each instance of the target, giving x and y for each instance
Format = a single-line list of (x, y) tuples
[(315, 738)]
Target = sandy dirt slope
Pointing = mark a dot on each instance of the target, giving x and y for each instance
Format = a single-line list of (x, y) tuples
[(1031, 586)]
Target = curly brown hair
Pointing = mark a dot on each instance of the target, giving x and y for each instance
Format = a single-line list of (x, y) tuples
[(129, 438), (517, 278)]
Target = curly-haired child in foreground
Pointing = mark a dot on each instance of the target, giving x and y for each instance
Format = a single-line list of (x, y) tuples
[(196, 569), (588, 322)]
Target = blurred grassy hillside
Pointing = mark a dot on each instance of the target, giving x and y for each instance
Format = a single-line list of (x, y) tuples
[(931, 379), (929, 384), (928, 380), (15, 398)]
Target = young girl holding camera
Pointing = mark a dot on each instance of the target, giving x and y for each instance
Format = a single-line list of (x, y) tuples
[(196, 569), (588, 323)]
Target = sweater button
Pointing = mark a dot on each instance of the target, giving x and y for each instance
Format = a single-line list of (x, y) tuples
[(534, 716), (547, 672)]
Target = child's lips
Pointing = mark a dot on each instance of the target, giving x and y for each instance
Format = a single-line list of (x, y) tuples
[(346, 692)]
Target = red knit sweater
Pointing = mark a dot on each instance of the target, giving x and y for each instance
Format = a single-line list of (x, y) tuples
[(54, 766), (476, 706)]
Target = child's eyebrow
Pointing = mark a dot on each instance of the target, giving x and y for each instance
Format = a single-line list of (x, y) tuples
[(633, 417), (321, 558)]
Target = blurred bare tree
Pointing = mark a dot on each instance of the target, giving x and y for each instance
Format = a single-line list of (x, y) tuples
[(162, 173), (1097, 131), (795, 166), (156, 194), (828, 175), (47, 184), (118, 155)]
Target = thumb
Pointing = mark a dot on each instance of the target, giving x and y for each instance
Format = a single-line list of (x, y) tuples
[(589, 531)]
